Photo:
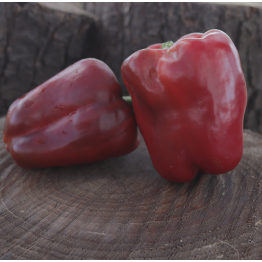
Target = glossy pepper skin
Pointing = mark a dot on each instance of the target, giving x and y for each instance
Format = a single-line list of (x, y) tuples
[(189, 101), (76, 117)]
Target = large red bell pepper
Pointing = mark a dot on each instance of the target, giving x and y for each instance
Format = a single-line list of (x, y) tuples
[(189, 101), (76, 117)]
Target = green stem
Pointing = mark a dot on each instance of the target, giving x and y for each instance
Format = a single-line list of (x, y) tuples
[(128, 99), (167, 45)]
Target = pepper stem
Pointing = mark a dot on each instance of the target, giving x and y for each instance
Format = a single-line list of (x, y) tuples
[(128, 99), (167, 45)]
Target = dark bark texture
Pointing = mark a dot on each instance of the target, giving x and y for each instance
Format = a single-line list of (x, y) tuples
[(35, 44), (128, 27), (122, 209)]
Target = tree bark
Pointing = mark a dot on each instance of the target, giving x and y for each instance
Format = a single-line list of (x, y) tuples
[(128, 27), (122, 209), (36, 43)]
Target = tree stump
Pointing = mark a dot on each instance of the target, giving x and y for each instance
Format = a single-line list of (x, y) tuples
[(37, 42), (122, 209), (128, 27)]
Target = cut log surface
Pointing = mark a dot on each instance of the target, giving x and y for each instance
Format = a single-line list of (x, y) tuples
[(122, 209)]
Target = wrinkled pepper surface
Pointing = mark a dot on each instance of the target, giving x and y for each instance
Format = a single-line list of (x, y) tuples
[(76, 117), (189, 101)]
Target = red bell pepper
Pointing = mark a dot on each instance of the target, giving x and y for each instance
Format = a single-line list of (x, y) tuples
[(189, 101), (76, 117)]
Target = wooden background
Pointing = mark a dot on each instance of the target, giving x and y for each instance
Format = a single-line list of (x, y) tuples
[(39, 40), (122, 209)]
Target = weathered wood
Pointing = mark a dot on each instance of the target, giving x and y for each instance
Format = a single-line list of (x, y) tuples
[(122, 209), (37, 42), (128, 27)]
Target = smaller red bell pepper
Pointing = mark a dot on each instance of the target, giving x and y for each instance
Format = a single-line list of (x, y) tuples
[(76, 117), (189, 99)]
